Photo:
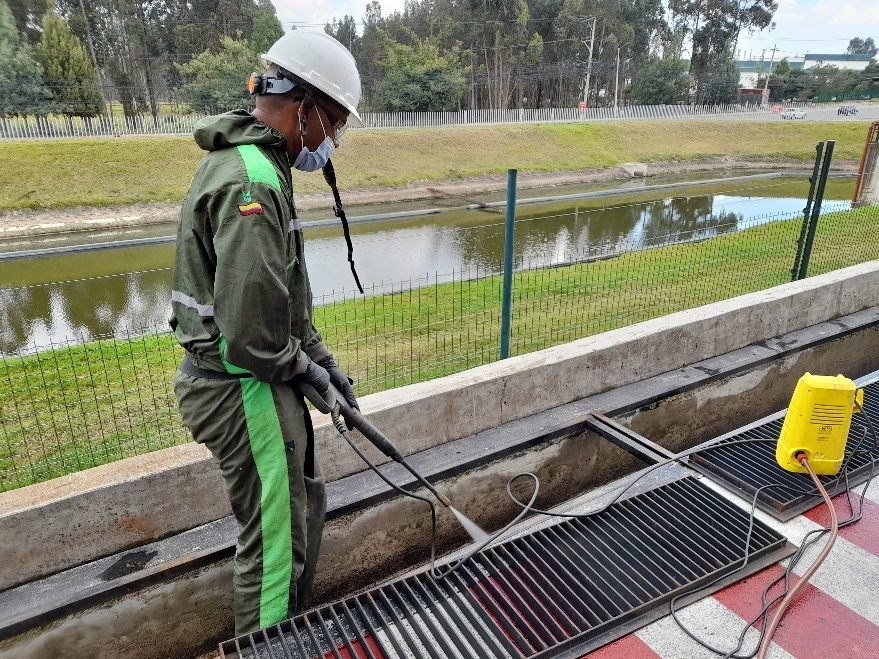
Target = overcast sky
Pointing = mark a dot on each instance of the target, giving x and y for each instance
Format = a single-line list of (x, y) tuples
[(813, 26)]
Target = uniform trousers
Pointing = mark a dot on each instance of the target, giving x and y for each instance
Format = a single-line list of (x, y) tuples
[(260, 436)]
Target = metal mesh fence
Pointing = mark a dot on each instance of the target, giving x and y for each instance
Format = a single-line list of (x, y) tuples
[(71, 406)]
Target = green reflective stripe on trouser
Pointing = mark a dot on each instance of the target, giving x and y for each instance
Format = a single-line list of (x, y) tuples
[(270, 455), (230, 368), (259, 168)]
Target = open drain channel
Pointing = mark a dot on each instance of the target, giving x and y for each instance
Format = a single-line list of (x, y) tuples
[(560, 591), (747, 467)]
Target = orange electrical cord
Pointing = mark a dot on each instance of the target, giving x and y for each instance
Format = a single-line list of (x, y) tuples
[(834, 528)]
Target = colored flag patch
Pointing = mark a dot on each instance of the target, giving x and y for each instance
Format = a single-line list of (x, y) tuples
[(251, 209)]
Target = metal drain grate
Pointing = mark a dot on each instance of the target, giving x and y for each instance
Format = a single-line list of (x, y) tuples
[(747, 467), (560, 591)]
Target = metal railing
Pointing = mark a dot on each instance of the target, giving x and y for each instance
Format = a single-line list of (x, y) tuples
[(68, 407), (57, 127)]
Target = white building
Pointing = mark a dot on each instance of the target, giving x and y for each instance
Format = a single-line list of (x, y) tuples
[(752, 69)]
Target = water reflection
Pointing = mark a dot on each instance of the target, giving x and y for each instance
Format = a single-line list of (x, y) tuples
[(99, 294), (73, 312)]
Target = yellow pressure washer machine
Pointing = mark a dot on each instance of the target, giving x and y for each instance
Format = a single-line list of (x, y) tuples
[(817, 423)]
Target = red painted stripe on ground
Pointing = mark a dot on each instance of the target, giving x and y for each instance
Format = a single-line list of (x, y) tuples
[(815, 625), (863, 533), (359, 652), (628, 647), (479, 599)]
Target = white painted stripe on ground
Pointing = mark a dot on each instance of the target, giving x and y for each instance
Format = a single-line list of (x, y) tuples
[(849, 574), (712, 622), (872, 491)]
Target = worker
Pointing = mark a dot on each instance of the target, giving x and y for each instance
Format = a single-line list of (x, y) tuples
[(242, 310)]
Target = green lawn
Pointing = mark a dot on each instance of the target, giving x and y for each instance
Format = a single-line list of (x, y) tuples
[(102, 171), (72, 408)]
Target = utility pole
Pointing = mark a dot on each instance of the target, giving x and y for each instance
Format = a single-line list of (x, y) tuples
[(764, 99), (88, 36), (616, 87), (589, 63)]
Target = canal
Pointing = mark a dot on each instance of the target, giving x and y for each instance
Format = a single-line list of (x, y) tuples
[(73, 297)]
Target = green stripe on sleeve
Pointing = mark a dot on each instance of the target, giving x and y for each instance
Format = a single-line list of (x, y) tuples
[(269, 454), (259, 168)]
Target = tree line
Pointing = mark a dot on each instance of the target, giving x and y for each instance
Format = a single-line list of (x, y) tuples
[(75, 57), (80, 57)]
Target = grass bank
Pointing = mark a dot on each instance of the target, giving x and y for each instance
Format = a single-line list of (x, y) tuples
[(104, 171), (71, 408)]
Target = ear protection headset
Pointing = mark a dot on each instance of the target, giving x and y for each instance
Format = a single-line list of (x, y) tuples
[(263, 84)]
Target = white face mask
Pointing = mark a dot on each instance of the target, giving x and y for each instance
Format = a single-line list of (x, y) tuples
[(309, 161)]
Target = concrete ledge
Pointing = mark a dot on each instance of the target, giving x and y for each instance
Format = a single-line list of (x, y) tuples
[(110, 508)]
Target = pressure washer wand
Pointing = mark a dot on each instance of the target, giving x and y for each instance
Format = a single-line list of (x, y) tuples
[(335, 405)]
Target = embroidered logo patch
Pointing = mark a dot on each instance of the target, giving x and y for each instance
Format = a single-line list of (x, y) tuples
[(247, 197), (251, 209)]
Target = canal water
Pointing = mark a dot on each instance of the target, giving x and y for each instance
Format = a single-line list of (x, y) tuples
[(74, 297)]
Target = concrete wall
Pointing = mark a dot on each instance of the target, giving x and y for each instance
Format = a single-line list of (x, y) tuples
[(686, 419), (116, 506), (175, 620)]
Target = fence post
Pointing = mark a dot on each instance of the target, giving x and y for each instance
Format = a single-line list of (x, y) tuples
[(816, 209), (795, 271), (507, 300)]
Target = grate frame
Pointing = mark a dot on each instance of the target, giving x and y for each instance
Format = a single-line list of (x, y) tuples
[(744, 468), (560, 591)]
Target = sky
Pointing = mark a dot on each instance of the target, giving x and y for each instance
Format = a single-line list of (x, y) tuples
[(802, 26)]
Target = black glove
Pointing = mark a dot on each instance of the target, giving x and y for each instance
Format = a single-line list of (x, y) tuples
[(340, 381), (317, 376)]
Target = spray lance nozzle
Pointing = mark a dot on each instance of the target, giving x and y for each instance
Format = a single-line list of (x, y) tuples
[(334, 404)]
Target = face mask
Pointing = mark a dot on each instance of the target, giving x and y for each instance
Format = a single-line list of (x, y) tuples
[(309, 161)]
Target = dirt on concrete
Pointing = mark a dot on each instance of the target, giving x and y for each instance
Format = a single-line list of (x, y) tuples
[(34, 222)]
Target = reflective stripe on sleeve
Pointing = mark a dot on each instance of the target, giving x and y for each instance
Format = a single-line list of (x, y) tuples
[(259, 168), (203, 310)]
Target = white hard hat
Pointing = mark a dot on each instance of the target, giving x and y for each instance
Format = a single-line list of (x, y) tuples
[(321, 61)]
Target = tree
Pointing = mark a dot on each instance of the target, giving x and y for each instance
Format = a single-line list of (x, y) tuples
[(67, 70), (715, 26), (201, 23), (28, 17), (859, 46), (21, 81), (266, 28), (344, 31), (218, 81), (661, 81), (783, 67), (722, 85), (133, 43), (419, 78)]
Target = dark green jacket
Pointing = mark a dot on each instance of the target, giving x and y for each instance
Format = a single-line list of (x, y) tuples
[(241, 298)]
